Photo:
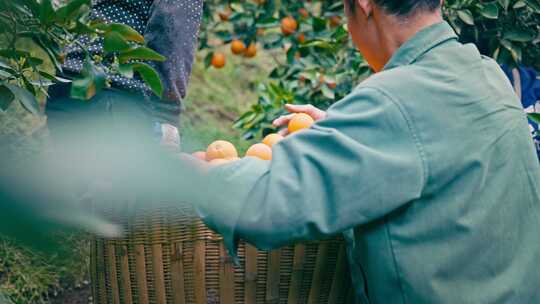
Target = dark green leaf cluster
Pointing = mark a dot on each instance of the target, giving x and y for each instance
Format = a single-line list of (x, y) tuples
[(324, 66), (507, 30), (32, 41), (317, 64)]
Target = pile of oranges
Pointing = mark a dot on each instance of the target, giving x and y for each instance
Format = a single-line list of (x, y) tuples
[(221, 152)]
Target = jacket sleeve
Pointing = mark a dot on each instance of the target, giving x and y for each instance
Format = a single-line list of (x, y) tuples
[(172, 31), (356, 166)]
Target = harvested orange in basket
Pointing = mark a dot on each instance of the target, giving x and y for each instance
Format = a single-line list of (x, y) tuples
[(272, 139), (261, 151), (221, 149)]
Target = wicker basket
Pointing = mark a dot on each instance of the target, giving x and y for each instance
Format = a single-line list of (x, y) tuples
[(169, 256)]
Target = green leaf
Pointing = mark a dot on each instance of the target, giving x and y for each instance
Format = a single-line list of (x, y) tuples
[(466, 16), (534, 4), (28, 100), (534, 117), (33, 61), (83, 88), (5, 65), (317, 43), (125, 31), (54, 77), (490, 10), (150, 77), (114, 42), (319, 24), (6, 98), (140, 53), (14, 54), (519, 4), (46, 12), (51, 52), (71, 9), (518, 35), (208, 59), (514, 50), (93, 80), (504, 3), (126, 70), (5, 74), (7, 70), (327, 92)]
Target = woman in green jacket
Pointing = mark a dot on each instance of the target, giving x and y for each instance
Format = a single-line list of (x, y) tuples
[(427, 168)]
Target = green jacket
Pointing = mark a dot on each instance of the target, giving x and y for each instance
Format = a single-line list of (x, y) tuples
[(427, 168)]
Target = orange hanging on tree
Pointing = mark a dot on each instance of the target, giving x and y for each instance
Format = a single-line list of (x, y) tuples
[(301, 38), (288, 26), (221, 149), (251, 51), (238, 47), (218, 60)]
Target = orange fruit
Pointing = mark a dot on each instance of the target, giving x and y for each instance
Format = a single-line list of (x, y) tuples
[(251, 51), (261, 151), (303, 12), (288, 26), (331, 84), (218, 60), (300, 121), (272, 139), (220, 149), (200, 155), (301, 38), (237, 47), (335, 21)]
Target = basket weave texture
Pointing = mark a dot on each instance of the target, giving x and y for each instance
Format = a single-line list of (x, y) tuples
[(170, 256)]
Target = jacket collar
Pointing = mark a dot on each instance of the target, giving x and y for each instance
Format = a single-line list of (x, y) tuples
[(421, 43)]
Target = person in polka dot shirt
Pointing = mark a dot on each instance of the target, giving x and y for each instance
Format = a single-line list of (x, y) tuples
[(171, 28)]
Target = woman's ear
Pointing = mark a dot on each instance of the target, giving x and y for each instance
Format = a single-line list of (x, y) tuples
[(365, 6)]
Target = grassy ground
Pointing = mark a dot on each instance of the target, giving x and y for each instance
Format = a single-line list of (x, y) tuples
[(215, 100)]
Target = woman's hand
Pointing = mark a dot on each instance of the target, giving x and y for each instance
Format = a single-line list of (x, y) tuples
[(316, 114)]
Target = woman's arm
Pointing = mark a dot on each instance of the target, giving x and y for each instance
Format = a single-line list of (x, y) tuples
[(172, 30)]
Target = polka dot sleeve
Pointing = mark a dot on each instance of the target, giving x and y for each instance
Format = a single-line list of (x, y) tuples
[(172, 30), (170, 27)]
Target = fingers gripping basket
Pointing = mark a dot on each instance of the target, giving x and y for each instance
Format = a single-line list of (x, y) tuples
[(169, 256)]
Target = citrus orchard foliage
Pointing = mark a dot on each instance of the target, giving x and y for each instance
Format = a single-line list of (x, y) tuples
[(315, 61), (507, 30), (321, 65), (50, 26)]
